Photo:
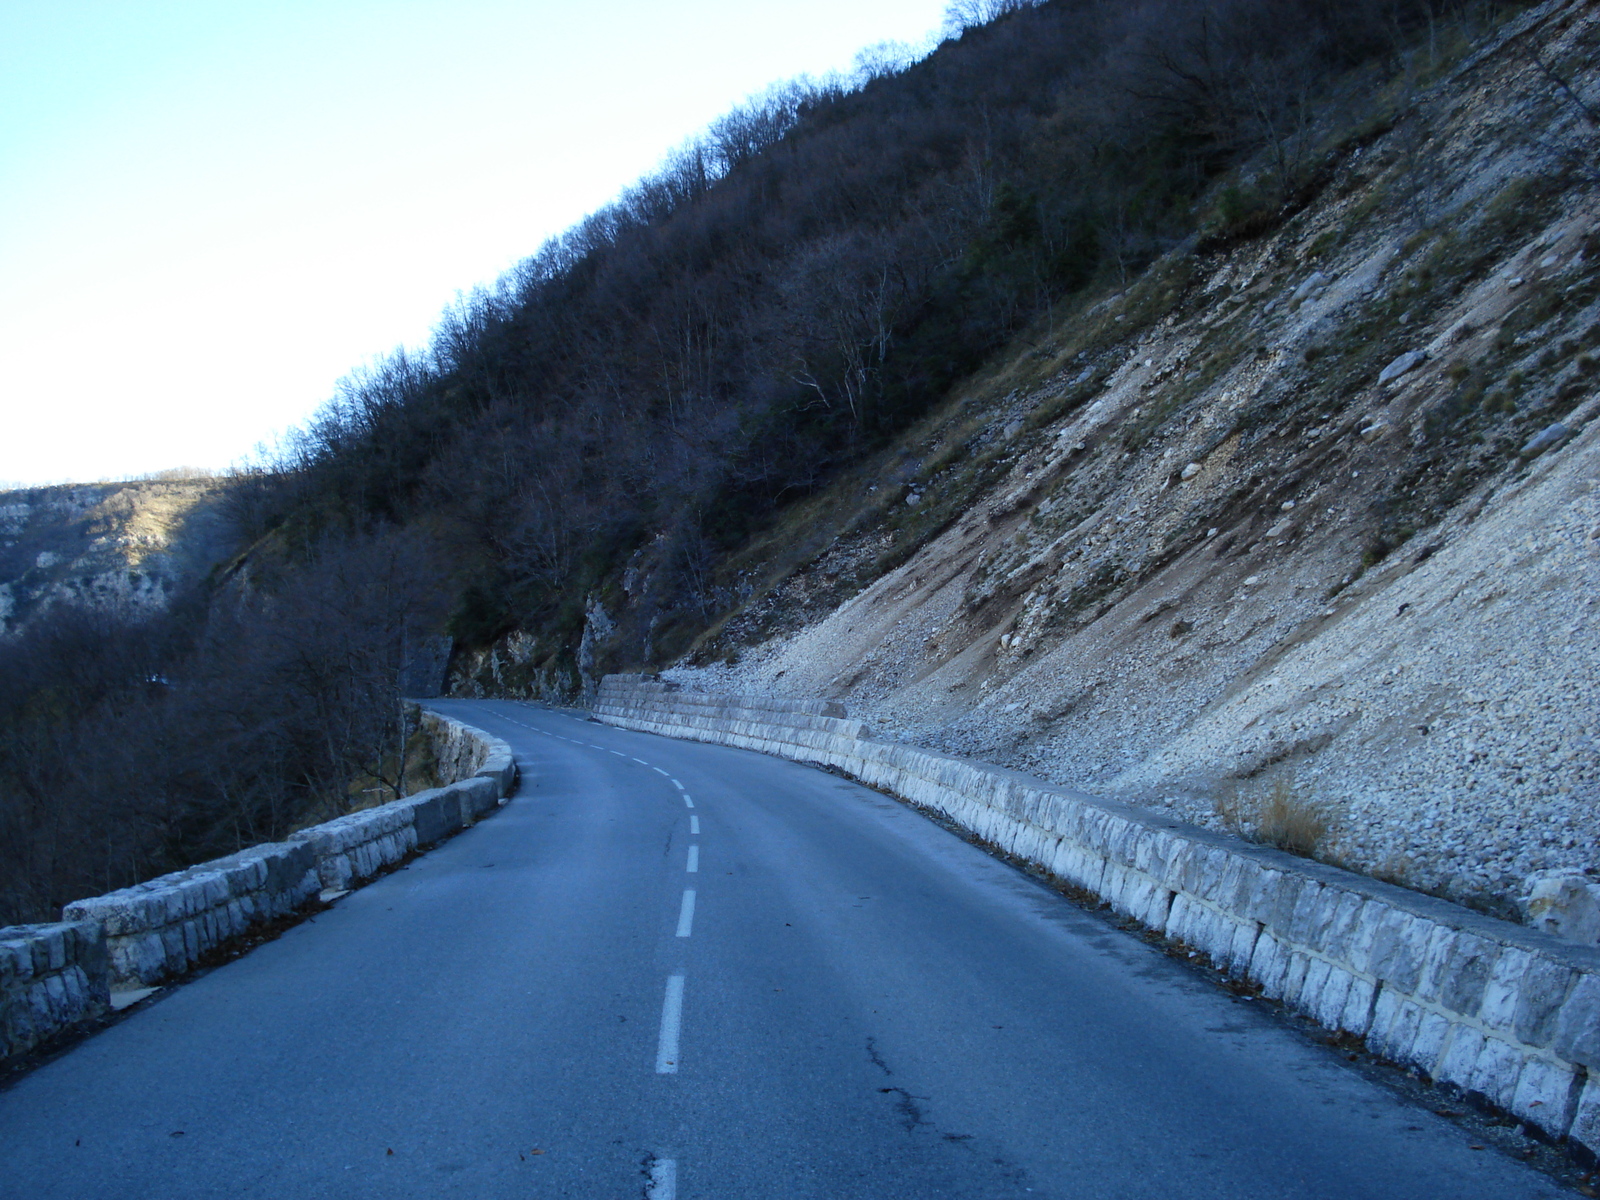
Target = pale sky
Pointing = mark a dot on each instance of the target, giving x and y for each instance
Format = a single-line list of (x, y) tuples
[(210, 212)]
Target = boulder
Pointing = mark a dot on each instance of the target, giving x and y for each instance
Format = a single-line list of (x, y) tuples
[(1374, 431), (1408, 361), (1547, 438), (1564, 902), (1316, 281)]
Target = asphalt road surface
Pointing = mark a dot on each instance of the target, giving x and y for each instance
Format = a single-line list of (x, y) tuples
[(673, 970)]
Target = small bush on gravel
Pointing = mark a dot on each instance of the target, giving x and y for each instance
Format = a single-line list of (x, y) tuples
[(1284, 818)]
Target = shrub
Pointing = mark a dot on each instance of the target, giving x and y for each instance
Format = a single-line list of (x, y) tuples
[(1284, 818)]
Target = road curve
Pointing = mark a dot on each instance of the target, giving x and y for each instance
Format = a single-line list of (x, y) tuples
[(671, 970)]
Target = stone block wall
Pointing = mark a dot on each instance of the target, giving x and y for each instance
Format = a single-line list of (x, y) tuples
[(52, 977), (477, 770), (160, 928), (1500, 1010), (439, 812), (163, 926), (356, 847), (463, 752)]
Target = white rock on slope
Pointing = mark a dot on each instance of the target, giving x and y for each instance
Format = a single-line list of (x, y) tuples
[(1566, 903)]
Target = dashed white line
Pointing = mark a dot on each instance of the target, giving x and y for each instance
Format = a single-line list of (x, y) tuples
[(694, 825), (640, 761), (678, 785), (686, 913), (694, 859), (671, 1026), (659, 771), (687, 803), (663, 1183)]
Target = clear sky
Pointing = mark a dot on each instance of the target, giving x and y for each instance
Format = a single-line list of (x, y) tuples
[(210, 211)]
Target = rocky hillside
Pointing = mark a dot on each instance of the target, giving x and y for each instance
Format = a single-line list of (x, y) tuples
[(125, 545), (1298, 533)]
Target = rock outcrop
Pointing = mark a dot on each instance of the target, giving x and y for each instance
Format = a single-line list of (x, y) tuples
[(127, 546)]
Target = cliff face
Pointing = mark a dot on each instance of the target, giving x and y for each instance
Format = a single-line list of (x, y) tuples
[(1305, 517), (123, 545)]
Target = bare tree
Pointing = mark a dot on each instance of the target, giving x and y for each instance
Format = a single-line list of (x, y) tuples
[(961, 15)]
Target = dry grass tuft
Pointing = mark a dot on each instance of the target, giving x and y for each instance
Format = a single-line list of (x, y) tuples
[(1284, 817)]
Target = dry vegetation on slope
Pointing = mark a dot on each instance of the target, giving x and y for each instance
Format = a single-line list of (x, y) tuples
[(1305, 516)]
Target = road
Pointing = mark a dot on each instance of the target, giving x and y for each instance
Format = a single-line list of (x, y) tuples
[(679, 970)]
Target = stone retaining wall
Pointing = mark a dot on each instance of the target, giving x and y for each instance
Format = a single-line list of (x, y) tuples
[(51, 978), (1506, 1012), (350, 849), (160, 928), (463, 752)]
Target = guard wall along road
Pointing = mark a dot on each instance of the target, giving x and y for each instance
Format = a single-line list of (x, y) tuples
[(1497, 1009), (55, 977)]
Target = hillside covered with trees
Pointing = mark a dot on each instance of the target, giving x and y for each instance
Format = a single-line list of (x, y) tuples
[(795, 287)]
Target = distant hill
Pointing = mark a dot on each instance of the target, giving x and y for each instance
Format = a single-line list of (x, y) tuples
[(122, 546)]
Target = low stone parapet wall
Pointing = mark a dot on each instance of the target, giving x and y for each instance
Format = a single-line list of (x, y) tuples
[(751, 721), (161, 928), (1500, 1010), (463, 752), (354, 848), (439, 812), (52, 977)]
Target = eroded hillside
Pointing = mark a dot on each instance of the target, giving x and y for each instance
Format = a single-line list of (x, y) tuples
[(1308, 510)]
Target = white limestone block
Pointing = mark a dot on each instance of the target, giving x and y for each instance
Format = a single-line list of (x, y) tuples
[(1297, 965), (1503, 991), (1345, 911), (1577, 1027), (1267, 963), (1326, 1001), (1544, 1095), (1436, 963), (1459, 1055), (1433, 1032), (1357, 1015), (1184, 921), (1309, 916), (1399, 948), (1242, 951), (1395, 1018), (1496, 1072), (1543, 989), (1585, 1128)]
